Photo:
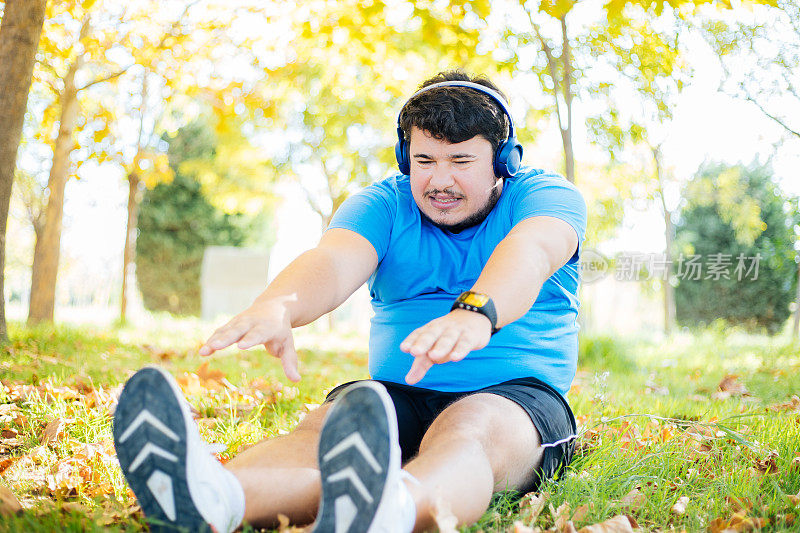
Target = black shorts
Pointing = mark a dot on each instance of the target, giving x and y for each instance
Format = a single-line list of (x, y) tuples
[(551, 415)]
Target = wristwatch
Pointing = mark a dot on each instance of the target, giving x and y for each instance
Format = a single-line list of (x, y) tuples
[(479, 303)]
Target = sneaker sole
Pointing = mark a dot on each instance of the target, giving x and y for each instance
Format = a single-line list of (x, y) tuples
[(357, 452), (150, 436)]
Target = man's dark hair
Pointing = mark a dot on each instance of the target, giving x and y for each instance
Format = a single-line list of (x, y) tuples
[(456, 114)]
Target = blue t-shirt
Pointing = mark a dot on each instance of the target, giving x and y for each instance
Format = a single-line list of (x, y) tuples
[(422, 270)]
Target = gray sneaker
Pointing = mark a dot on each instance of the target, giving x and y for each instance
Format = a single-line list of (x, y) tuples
[(359, 459), (179, 484)]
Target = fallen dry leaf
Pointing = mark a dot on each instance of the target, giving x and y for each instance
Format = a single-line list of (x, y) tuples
[(445, 520), (633, 500), (6, 463), (283, 522), (74, 507), (731, 383), (581, 511), (768, 464), (83, 385), (54, 430), (794, 499), (113, 511), (45, 391), (730, 386), (680, 506), (38, 455), (191, 384), (561, 518), (206, 374), (519, 527), (284, 527), (792, 405), (65, 477), (9, 504), (210, 377), (531, 505), (738, 522), (617, 524), (10, 444)]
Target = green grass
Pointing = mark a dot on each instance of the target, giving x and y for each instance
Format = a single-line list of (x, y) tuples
[(650, 421)]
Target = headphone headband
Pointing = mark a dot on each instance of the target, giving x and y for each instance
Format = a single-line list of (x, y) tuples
[(496, 96), (508, 156)]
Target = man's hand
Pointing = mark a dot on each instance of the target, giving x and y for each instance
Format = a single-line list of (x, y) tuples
[(264, 323), (447, 338)]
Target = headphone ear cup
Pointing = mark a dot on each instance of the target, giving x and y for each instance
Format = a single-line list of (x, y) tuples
[(508, 158), (401, 153)]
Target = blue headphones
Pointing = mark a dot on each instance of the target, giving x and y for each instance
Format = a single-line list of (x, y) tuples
[(509, 154)]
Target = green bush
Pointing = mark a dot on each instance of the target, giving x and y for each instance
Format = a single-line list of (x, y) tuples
[(176, 223), (738, 212)]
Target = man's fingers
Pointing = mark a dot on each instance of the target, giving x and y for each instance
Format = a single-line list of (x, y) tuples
[(285, 351), (289, 360), (424, 342), (253, 337), (443, 346), (461, 349), (218, 343), (205, 350), (409, 341), (225, 336), (418, 370)]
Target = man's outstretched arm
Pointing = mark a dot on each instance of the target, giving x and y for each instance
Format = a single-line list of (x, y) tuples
[(513, 276), (315, 283)]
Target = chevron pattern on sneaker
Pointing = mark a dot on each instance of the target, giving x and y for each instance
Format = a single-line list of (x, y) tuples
[(358, 457), (150, 436)]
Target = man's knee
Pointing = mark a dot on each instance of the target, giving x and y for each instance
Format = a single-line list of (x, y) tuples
[(486, 418), (497, 427)]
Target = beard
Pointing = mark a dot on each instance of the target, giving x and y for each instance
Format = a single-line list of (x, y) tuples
[(472, 220)]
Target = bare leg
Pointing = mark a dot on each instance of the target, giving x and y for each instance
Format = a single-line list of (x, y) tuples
[(281, 475), (479, 444)]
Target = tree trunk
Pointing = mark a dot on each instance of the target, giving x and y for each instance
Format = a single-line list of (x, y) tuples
[(134, 184), (19, 39), (566, 130), (134, 198), (668, 289), (562, 86), (569, 155), (47, 252), (669, 232)]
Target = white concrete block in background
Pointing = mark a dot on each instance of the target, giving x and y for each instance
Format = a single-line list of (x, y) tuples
[(231, 279)]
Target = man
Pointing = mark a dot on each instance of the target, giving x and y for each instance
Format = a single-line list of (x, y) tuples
[(472, 264)]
